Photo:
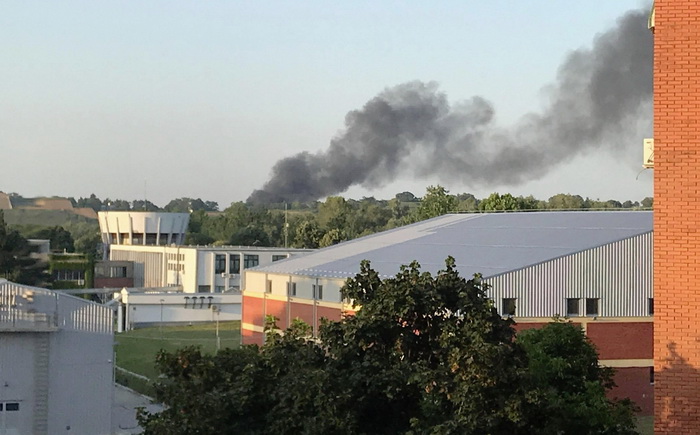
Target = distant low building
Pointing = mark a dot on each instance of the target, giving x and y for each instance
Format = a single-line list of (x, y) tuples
[(71, 271), (142, 308), (197, 269)]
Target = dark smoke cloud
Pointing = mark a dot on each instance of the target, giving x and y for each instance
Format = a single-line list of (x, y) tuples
[(602, 96)]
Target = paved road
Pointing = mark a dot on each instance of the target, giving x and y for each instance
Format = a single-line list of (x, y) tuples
[(124, 410)]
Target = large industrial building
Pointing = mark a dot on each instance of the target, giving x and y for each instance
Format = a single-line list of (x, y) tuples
[(592, 267), (56, 363)]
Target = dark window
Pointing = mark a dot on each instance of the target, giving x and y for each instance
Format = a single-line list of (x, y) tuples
[(318, 291), (509, 306), (219, 263), (268, 286), (651, 375), (278, 257), (204, 289), (651, 306), (292, 288), (12, 406), (592, 306), (572, 307), (250, 261), (118, 272), (234, 264)]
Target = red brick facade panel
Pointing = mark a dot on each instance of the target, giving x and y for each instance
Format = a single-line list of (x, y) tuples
[(113, 282), (279, 310), (635, 383), (251, 337), (328, 313), (304, 312), (623, 340), (253, 311)]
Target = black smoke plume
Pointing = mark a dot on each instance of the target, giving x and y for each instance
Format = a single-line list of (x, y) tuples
[(601, 98)]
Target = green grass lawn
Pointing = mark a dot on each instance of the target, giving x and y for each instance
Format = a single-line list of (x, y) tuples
[(137, 349)]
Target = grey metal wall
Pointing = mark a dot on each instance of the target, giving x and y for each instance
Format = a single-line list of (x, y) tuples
[(620, 274), (148, 267)]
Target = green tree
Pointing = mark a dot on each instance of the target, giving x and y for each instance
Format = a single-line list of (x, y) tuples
[(333, 213), (436, 202), (308, 235), (251, 235), (188, 205), (92, 202), (117, 204), (467, 202), (571, 386), (60, 239), (15, 262), (565, 201), (406, 197), (424, 354), (143, 205), (332, 237), (498, 202), (648, 202)]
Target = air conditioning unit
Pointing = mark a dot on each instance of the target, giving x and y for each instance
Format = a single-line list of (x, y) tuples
[(648, 153)]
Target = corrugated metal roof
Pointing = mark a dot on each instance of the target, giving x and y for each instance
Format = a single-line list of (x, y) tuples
[(490, 244)]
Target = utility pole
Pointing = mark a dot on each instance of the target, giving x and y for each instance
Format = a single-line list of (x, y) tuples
[(286, 225)]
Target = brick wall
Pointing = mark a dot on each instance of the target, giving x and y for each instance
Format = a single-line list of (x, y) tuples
[(677, 216)]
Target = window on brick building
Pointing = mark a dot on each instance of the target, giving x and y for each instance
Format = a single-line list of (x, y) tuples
[(573, 307), (592, 306), (651, 375), (651, 306), (508, 307)]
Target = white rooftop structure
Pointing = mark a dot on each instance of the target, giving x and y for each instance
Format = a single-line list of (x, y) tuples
[(142, 228)]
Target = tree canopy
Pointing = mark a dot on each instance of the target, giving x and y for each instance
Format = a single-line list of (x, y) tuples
[(15, 261), (424, 354)]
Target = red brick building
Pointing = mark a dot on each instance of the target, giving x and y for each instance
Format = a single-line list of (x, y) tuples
[(676, 26), (594, 267)]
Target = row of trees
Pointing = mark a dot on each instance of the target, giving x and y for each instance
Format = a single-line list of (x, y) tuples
[(424, 355), (179, 205), (316, 224)]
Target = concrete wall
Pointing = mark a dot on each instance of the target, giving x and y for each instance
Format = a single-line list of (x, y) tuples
[(144, 309), (80, 383)]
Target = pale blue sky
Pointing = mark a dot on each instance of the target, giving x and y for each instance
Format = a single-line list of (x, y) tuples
[(200, 99)]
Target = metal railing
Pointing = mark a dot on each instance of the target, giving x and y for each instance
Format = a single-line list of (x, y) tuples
[(29, 308)]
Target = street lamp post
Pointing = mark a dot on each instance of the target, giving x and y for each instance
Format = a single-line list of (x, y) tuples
[(160, 325), (216, 310)]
